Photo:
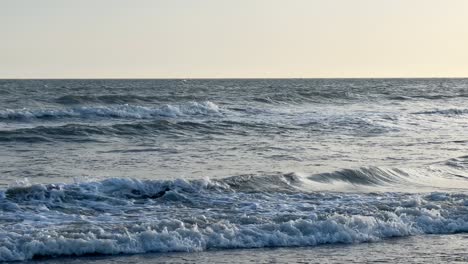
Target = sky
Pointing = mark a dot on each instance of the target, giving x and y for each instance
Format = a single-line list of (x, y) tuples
[(233, 38)]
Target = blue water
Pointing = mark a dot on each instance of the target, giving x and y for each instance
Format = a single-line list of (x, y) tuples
[(137, 166)]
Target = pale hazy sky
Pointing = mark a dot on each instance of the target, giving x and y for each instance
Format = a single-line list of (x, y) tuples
[(235, 38)]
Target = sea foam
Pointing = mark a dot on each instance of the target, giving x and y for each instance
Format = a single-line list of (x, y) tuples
[(116, 111), (121, 215)]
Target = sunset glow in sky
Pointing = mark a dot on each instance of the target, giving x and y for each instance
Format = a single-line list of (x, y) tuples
[(236, 38)]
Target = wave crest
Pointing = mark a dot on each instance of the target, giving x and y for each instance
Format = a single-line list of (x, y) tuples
[(119, 111), (446, 112), (122, 215)]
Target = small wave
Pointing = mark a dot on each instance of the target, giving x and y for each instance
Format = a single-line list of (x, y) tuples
[(362, 125), (70, 132), (96, 133), (363, 176), (266, 100), (458, 163), (93, 132), (441, 96), (427, 97), (446, 112), (400, 97), (126, 99), (120, 111), (104, 99), (377, 179)]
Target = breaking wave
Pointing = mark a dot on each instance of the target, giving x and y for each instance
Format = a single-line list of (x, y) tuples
[(118, 111), (121, 215)]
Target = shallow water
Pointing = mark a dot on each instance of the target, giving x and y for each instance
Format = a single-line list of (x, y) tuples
[(137, 166)]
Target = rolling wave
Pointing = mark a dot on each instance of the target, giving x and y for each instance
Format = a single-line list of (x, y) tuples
[(120, 215), (266, 97), (458, 163), (250, 183), (446, 112), (169, 126), (363, 176), (124, 99), (93, 133), (105, 99), (427, 96), (158, 127), (445, 177), (119, 111)]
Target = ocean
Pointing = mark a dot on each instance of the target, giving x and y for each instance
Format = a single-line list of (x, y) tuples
[(234, 171)]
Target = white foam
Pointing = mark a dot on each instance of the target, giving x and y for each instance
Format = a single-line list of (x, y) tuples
[(175, 235), (122, 215), (117, 111)]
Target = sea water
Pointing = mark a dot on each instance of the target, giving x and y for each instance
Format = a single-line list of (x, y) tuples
[(221, 170)]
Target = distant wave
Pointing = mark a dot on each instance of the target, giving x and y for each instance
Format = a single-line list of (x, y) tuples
[(120, 215), (267, 97), (104, 99), (314, 96), (447, 112), (122, 99), (76, 132), (427, 97), (120, 111)]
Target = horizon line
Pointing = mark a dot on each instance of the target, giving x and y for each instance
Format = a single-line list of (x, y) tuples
[(221, 78)]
